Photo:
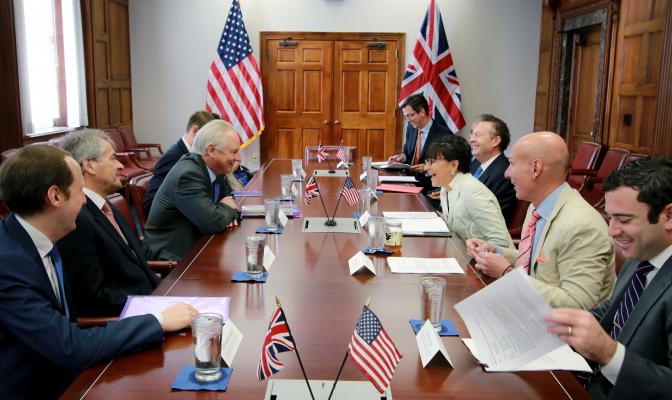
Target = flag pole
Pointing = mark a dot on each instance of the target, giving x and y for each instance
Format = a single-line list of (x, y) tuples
[(329, 222), (340, 195), (347, 352), (296, 348)]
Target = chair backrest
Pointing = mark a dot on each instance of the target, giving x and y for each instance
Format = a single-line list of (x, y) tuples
[(585, 158), (120, 203), (116, 138), (138, 186), (517, 218), (310, 153), (613, 159), (128, 136)]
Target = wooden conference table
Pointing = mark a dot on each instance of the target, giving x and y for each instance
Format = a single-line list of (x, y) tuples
[(322, 302)]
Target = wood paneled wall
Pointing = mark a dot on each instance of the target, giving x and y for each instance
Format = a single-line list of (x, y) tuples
[(10, 110)]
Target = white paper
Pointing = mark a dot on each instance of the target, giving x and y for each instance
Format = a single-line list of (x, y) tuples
[(409, 214), (360, 261), (364, 218), (399, 178), (424, 225), (295, 190), (429, 344), (505, 319), (562, 358), (269, 258), (412, 265), (303, 174), (231, 338), (282, 217), (340, 164), (362, 176)]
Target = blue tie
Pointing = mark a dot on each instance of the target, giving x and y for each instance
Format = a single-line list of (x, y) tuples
[(630, 298), (216, 188), (478, 172), (58, 266)]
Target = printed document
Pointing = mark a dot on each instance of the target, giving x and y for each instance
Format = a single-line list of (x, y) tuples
[(411, 265)]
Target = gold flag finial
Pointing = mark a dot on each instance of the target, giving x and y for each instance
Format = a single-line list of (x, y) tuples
[(368, 302), (277, 301)]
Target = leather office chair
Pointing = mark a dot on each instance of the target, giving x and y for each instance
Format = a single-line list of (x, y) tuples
[(144, 150), (584, 160), (131, 168), (517, 219), (4, 211), (310, 154), (592, 191), (138, 186)]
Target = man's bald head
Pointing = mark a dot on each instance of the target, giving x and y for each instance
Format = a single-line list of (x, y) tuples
[(548, 147)]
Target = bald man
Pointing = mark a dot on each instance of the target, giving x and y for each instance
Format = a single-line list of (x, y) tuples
[(565, 246)]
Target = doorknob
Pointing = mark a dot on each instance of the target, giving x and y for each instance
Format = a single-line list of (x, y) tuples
[(592, 133), (326, 122), (337, 122)]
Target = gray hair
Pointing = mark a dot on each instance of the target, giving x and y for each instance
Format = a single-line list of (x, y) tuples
[(214, 132), (84, 144)]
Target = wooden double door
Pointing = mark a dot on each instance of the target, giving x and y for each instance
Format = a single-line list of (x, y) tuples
[(331, 87)]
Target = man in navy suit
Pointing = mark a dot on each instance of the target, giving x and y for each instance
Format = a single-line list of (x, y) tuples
[(629, 336), (489, 138), (170, 157), (41, 346), (103, 258), (416, 112)]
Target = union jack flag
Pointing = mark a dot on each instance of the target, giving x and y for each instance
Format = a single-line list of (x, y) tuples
[(350, 192), (321, 153), (341, 154), (278, 340), (431, 71), (372, 351), (311, 190)]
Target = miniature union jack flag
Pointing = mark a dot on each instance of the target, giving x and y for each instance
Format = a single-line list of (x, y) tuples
[(311, 190), (321, 153), (278, 340)]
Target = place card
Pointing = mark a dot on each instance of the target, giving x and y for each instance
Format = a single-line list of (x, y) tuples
[(282, 217), (364, 218), (269, 258), (231, 338), (360, 262), (362, 176), (430, 345)]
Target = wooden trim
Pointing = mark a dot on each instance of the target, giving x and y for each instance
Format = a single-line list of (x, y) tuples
[(11, 135), (662, 144), (87, 34)]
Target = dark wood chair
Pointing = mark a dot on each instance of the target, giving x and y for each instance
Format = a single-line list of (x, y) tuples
[(128, 135), (132, 167), (592, 191), (584, 160), (4, 211), (517, 219), (87, 322), (137, 187)]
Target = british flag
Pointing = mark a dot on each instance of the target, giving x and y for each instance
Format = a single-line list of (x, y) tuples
[(321, 153), (311, 190), (350, 192), (431, 71), (278, 340)]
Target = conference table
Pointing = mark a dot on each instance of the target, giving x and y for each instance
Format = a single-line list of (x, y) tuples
[(322, 303)]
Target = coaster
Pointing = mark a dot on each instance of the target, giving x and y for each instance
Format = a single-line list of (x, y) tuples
[(377, 250), (277, 231), (379, 193), (242, 276), (355, 214), (185, 380), (447, 327), (247, 194)]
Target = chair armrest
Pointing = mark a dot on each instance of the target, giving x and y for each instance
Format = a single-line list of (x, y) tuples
[(162, 267), (87, 322), (580, 171), (140, 151), (152, 145)]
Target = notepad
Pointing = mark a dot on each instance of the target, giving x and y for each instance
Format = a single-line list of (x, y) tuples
[(388, 187), (141, 305), (397, 178), (414, 265)]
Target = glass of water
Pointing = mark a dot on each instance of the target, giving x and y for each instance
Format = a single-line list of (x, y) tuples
[(271, 212), (206, 330), (296, 170), (286, 185), (254, 255), (431, 303)]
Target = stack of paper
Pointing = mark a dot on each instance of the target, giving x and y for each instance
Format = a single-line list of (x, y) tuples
[(389, 165), (412, 265), (140, 305), (397, 178), (419, 223)]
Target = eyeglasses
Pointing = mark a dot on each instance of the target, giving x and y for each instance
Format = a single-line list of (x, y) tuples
[(410, 115), (429, 161)]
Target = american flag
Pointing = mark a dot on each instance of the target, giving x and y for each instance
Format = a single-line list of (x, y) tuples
[(321, 153), (350, 192), (431, 71), (311, 190), (341, 154), (278, 340), (372, 351), (234, 81)]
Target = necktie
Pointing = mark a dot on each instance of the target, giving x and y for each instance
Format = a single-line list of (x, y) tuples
[(525, 247), (58, 266), (630, 298), (216, 188), (107, 210), (416, 155), (478, 172)]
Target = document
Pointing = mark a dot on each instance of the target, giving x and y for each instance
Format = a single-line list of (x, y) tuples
[(409, 214), (505, 320), (141, 305), (430, 345), (388, 187), (562, 358), (360, 262), (389, 165), (231, 338), (398, 178), (424, 226), (411, 265)]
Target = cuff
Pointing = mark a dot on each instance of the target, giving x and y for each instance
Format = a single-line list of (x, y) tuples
[(499, 250), (611, 369), (159, 318)]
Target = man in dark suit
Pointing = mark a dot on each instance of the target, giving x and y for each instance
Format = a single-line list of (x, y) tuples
[(186, 205), (416, 112), (170, 157), (41, 346), (629, 336), (489, 138), (103, 257)]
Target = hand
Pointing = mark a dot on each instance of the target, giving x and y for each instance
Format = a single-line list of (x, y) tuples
[(229, 201), (588, 337), (417, 168), (475, 246), (396, 158), (491, 264), (434, 195), (178, 316), (233, 224)]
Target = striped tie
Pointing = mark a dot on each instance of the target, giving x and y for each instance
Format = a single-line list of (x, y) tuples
[(525, 246), (630, 298)]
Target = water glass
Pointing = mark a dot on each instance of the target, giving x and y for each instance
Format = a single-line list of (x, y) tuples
[(366, 163), (254, 255), (376, 232), (364, 201), (206, 330), (372, 180), (271, 211), (296, 170), (432, 289), (286, 185)]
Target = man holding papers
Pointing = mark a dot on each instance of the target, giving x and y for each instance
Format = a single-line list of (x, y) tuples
[(631, 341), (565, 247)]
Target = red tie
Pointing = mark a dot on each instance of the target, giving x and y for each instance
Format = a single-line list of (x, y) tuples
[(416, 155), (525, 246), (110, 217)]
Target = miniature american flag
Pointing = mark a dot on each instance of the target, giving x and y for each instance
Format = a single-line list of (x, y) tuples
[(350, 192)]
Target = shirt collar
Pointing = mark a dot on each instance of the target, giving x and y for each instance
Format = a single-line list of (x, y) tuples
[(661, 258), (41, 242), (486, 164), (187, 145), (427, 127), (213, 176), (546, 206), (97, 199)]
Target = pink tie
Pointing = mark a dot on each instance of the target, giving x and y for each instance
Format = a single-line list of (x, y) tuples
[(110, 217), (525, 246)]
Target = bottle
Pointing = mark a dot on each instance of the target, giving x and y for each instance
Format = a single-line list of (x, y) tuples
[(393, 235)]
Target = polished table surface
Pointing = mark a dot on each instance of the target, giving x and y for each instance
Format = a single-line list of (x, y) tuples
[(322, 302)]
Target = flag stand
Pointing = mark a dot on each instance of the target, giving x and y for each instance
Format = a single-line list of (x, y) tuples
[(296, 348)]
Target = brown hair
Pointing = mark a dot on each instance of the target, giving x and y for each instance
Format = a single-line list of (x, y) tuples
[(200, 118)]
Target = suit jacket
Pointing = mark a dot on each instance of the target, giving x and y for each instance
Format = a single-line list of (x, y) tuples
[(493, 178), (473, 212), (102, 269), (573, 261), (436, 132), (646, 372), (161, 169), (42, 351), (183, 210)]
